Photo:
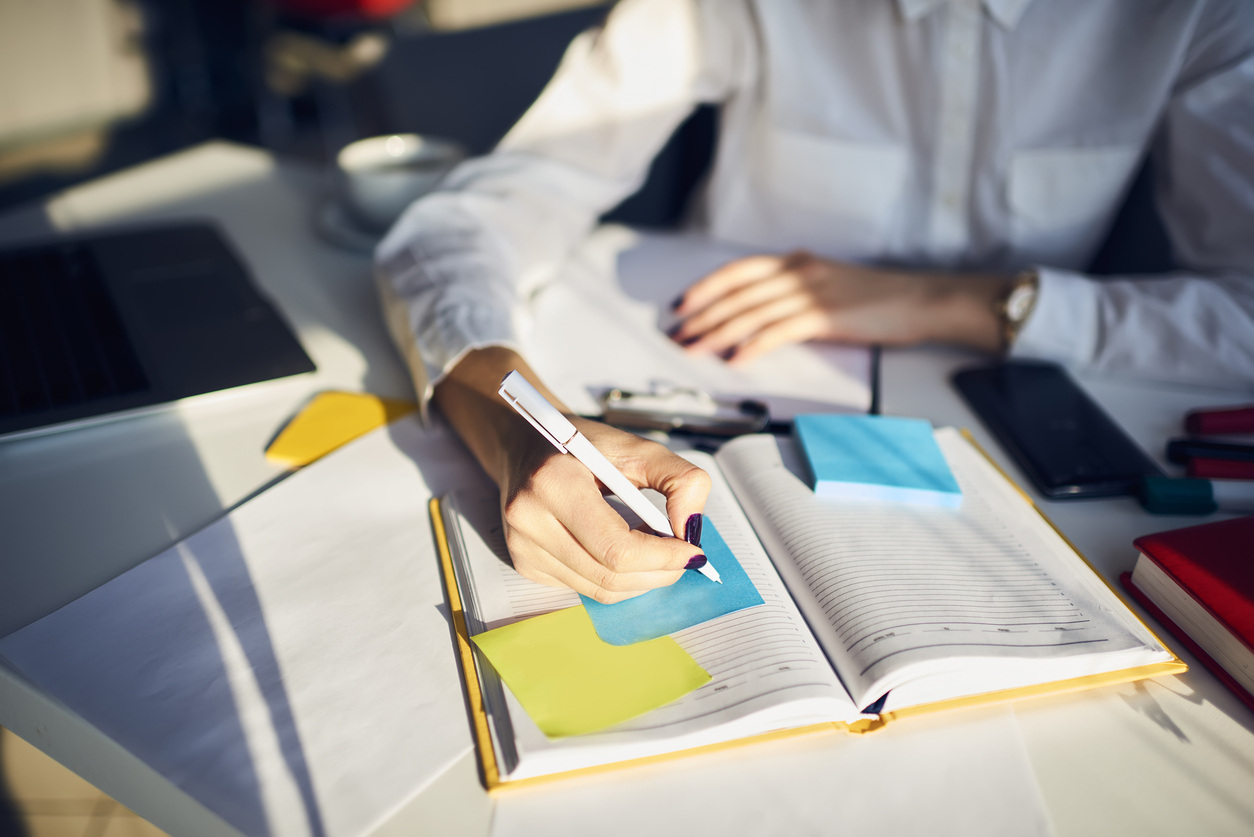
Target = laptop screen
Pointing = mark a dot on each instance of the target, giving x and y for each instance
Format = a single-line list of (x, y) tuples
[(112, 323)]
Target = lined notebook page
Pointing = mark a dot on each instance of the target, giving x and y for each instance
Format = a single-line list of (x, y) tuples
[(897, 591), (767, 669), (760, 654)]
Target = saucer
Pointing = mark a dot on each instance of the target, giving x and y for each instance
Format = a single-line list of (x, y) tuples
[(336, 226)]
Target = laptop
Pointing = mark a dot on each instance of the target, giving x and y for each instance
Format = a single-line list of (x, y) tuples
[(107, 325)]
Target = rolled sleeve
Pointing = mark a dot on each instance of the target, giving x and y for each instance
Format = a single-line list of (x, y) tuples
[(456, 270)]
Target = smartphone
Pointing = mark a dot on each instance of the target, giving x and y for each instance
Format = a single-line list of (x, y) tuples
[(1066, 444)]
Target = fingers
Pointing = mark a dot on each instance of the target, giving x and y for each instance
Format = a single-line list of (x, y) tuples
[(562, 562), (649, 465), (735, 302), (685, 486), (743, 324), (597, 534), (546, 550), (754, 302), (726, 279), (803, 326), (561, 531)]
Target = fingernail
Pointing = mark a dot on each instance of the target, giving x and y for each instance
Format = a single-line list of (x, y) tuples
[(697, 562), (677, 301), (728, 354), (673, 330), (692, 530), (688, 341)]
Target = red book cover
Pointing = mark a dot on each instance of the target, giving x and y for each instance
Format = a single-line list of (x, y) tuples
[(1214, 562)]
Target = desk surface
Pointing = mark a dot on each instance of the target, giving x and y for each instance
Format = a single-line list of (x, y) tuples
[(1172, 755)]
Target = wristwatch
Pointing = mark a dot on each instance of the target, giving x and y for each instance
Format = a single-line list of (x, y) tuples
[(1015, 306)]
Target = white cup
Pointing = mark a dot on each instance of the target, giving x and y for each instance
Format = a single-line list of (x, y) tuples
[(380, 176)]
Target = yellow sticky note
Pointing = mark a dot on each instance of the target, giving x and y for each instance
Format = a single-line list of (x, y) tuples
[(330, 420), (571, 682)]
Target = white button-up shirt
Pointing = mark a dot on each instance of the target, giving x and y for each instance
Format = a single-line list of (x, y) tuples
[(957, 134)]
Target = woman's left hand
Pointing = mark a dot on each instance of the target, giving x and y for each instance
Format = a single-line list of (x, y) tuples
[(753, 305)]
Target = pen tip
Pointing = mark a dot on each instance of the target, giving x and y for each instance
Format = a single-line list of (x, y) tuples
[(712, 574)]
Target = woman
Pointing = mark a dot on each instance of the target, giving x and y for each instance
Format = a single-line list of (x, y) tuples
[(930, 169)]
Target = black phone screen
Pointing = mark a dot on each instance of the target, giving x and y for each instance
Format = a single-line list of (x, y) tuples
[(1062, 439)]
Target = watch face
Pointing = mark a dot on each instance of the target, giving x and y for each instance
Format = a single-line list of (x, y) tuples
[(1020, 303)]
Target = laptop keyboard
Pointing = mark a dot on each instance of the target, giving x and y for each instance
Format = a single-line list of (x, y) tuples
[(62, 342)]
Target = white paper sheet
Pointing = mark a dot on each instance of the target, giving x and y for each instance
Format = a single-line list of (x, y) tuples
[(290, 666), (600, 324), (959, 774)]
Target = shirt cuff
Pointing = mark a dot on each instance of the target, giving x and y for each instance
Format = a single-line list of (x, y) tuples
[(431, 352), (1064, 324)]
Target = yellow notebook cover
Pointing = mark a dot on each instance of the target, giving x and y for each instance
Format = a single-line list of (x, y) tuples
[(490, 770)]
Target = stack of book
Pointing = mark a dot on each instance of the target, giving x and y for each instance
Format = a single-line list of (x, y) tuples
[(1199, 582)]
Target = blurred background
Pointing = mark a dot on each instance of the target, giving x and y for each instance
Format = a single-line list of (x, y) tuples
[(91, 86)]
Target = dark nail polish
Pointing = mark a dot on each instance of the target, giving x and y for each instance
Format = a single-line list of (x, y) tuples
[(678, 301), (688, 341), (692, 529), (697, 562), (728, 354), (673, 330)]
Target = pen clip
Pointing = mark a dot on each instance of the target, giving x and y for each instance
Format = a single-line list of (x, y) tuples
[(522, 410)]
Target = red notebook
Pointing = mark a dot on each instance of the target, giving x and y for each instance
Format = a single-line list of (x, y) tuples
[(1199, 582)]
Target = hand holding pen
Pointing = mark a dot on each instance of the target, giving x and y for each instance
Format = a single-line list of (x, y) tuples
[(566, 438), (557, 525)]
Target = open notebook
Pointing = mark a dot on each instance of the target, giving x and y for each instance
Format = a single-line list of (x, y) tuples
[(873, 611)]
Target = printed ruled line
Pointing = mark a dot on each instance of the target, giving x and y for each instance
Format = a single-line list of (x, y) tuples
[(901, 625), (977, 645), (724, 708), (954, 612)]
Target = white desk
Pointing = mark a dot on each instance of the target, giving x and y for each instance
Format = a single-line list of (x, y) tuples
[(1170, 756)]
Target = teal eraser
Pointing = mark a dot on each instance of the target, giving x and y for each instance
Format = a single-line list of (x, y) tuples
[(1166, 495)]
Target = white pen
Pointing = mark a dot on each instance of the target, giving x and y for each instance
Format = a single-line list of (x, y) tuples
[(555, 427)]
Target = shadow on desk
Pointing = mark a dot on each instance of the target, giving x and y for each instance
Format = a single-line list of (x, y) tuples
[(11, 824), (216, 715), (144, 477), (177, 665)]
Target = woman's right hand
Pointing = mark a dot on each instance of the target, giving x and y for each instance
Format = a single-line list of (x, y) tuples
[(558, 526)]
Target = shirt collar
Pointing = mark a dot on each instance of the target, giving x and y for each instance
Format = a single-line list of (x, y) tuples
[(1006, 12)]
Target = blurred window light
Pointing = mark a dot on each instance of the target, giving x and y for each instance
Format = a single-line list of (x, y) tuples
[(68, 70)]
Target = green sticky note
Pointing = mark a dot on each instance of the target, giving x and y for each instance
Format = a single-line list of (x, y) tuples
[(571, 682)]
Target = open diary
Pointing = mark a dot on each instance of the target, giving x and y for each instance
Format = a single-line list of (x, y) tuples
[(872, 611)]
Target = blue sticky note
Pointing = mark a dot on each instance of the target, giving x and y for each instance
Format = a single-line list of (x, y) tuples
[(690, 601), (876, 458)]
